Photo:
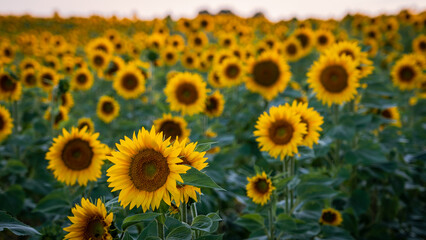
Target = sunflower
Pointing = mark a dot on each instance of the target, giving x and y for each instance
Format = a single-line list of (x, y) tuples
[(198, 40), (67, 101), (107, 109), (156, 41), (86, 122), (306, 39), (186, 92), (52, 62), (334, 79), (323, 39), (170, 56), (112, 34), (61, 116), (214, 79), (406, 75), (259, 188), (76, 156), (99, 60), (90, 221), (82, 79), (280, 132), (331, 217), (392, 114), (312, 119), (29, 78), (372, 32), (269, 75), (227, 40), (391, 25), (172, 127), (192, 158), (291, 49), (129, 82), (120, 46), (348, 48), (6, 123), (28, 63), (373, 47), (204, 22), (145, 169), (177, 42), (189, 59), (142, 66), (100, 44), (7, 52), (232, 71), (116, 64), (419, 44), (47, 79), (10, 89), (68, 65), (214, 105)]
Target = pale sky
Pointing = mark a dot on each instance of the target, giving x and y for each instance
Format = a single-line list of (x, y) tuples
[(273, 9)]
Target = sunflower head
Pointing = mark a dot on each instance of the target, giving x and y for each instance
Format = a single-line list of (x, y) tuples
[(232, 71), (29, 78), (61, 116), (214, 104), (280, 132), (269, 75), (145, 170), (331, 217), (292, 49), (86, 123), (90, 221), (76, 156), (259, 188), (392, 114), (172, 127), (186, 92), (406, 75), (129, 82), (6, 123), (419, 44), (82, 79), (47, 79), (10, 89), (107, 109)]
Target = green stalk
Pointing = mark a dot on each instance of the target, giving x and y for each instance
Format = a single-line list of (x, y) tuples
[(271, 221), (160, 229), (338, 141), (15, 112), (292, 175), (286, 188), (194, 215), (184, 213)]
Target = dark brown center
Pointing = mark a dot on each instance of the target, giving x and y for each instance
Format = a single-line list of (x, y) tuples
[(304, 40), (422, 45), (406, 74), (81, 78), (322, 40), (107, 107), (149, 170), (387, 114), (347, 53), (261, 186), (266, 73), (232, 71), (77, 154), (281, 132), (7, 84), (47, 79), (334, 78), (112, 69), (329, 217), (291, 49), (95, 229), (2, 123), (171, 129), (129, 81), (212, 104), (186, 93), (98, 61)]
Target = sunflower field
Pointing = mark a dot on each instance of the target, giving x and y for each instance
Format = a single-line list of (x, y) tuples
[(216, 127)]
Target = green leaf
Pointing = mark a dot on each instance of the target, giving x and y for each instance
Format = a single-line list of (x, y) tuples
[(54, 202), (13, 199), (215, 224), (211, 237), (314, 191), (142, 217), (149, 230), (360, 201), (196, 178), (335, 233), (297, 228), (15, 226), (252, 221), (366, 156), (203, 147), (180, 233), (202, 223)]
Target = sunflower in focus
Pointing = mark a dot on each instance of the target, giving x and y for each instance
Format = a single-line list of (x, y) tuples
[(129, 82), (6, 123), (214, 105), (10, 89), (312, 119), (192, 158), (232, 71), (406, 75), (145, 170), (173, 127), (82, 79), (330, 216), (76, 156), (89, 221), (29, 78), (107, 109), (334, 79), (392, 114), (323, 39), (419, 44), (259, 188), (291, 49), (186, 92), (269, 75), (47, 79), (87, 123), (280, 132)]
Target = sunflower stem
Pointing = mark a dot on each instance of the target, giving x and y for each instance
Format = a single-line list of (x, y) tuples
[(286, 188), (52, 118), (15, 112), (338, 141), (184, 213), (194, 215), (271, 221), (160, 229), (292, 175)]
